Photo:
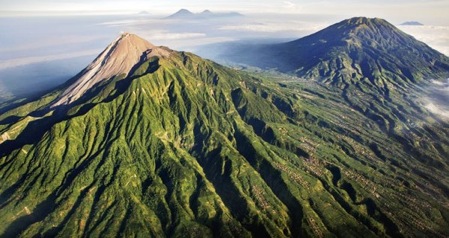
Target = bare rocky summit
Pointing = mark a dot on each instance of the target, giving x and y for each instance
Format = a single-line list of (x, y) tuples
[(117, 59)]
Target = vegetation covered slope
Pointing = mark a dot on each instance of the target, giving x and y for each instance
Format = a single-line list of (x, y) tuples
[(183, 147), (367, 52)]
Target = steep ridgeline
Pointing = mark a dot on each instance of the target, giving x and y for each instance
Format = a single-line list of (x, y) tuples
[(358, 51), (117, 60), (151, 142)]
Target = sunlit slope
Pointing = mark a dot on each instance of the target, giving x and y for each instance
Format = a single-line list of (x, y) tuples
[(184, 147)]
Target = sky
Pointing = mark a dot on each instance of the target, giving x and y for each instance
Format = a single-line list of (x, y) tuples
[(422, 10)]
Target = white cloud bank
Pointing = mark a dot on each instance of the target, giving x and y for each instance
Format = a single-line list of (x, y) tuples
[(11, 63), (273, 27), (436, 109), (437, 102), (436, 37)]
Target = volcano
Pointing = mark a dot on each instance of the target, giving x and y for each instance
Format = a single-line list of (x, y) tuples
[(147, 141), (358, 50)]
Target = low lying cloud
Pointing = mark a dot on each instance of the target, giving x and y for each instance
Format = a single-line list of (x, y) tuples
[(119, 23), (11, 63), (437, 102), (4, 93), (166, 35), (257, 27), (436, 37), (52, 42), (274, 27), (438, 110)]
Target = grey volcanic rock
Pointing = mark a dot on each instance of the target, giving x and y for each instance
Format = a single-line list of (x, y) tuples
[(116, 60)]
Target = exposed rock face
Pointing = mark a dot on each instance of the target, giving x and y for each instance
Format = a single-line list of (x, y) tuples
[(117, 59)]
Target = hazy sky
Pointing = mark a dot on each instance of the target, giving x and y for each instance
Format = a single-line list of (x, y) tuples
[(435, 10)]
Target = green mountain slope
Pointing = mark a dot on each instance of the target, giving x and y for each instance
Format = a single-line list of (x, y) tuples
[(367, 52), (179, 146)]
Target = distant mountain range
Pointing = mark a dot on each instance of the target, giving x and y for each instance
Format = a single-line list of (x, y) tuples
[(143, 13), (151, 142), (412, 23), (186, 14)]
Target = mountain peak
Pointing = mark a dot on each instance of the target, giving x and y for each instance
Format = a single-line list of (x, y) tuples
[(353, 51), (127, 39), (412, 23), (361, 32), (362, 26), (183, 10), (129, 46), (369, 48), (364, 21), (182, 13), (118, 59), (206, 12)]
